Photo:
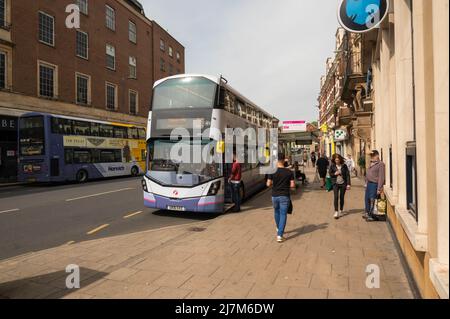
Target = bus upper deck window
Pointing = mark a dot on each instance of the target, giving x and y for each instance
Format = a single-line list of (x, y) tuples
[(95, 129)]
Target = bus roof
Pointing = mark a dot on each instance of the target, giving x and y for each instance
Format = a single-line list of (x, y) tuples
[(218, 80), (79, 119)]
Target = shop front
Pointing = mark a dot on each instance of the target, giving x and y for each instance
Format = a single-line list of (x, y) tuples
[(8, 148)]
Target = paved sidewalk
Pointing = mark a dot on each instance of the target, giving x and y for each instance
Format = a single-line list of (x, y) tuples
[(233, 256)]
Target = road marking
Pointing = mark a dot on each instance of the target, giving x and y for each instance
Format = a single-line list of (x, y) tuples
[(96, 230), (99, 194), (70, 243), (9, 211), (132, 215)]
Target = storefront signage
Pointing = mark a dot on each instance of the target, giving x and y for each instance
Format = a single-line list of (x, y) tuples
[(340, 135), (8, 123), (294, 126), (360, 16)]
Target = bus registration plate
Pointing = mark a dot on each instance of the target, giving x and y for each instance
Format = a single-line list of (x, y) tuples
[(177, 208)]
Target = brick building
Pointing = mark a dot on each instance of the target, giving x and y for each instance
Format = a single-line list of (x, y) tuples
[(103, 70)]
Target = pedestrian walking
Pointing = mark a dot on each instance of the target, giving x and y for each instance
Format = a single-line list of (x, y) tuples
[(375, 181), (305, 158), (351, 165), (313, 159), (235, 182), (322, 168), (341, 180), (281, 182)]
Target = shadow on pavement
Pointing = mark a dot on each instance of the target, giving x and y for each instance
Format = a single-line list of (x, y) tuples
[(48, 286), (305, 230)]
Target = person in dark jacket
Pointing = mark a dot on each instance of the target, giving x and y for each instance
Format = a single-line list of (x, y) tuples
[(341, 179), (322, 167)]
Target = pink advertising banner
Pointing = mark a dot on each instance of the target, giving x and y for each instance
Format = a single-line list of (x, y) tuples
[(294, 126)]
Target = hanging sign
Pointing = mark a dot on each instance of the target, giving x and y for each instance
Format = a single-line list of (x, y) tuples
[(361, 16)]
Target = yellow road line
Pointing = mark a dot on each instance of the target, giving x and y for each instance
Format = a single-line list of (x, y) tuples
[(132, 215), (98, 229)]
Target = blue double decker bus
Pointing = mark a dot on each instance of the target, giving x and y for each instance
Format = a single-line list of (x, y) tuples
[(55, 148)]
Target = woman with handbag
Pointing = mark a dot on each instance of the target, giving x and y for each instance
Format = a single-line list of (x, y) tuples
[(282, 182), (341, 180)]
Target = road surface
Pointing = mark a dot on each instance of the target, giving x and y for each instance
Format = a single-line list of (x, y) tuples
[(33, 218)]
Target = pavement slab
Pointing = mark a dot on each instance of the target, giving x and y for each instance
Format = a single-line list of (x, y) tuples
[(234, 256)]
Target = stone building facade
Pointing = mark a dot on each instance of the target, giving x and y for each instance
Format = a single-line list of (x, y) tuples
[(410, 128)]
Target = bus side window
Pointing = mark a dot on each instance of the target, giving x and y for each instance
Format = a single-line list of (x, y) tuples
[(118, 156), (95, 129), (133, 133), (142, 134), (82, 157), (81, 128), (120, 132), (96, 156), (67, 126), (68, 155), (106, 131), (57, 126)]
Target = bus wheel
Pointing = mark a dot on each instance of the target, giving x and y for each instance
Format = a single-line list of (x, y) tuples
[(134, 171), (82, 176)]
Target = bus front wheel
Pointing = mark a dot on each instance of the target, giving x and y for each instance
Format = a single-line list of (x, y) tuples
[(82, 176), (134, 171)]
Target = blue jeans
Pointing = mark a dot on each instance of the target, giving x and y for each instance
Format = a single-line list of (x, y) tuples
[(236, 196), (371, 196), (281, 206)]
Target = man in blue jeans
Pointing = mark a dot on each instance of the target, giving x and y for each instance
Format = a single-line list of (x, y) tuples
[(375, 181), (235, 182), (282, 181)]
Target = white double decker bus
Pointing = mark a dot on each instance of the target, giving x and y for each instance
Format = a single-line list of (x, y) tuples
[(191, 115)]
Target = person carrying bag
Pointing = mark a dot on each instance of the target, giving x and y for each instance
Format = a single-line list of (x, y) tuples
[(283, 182)]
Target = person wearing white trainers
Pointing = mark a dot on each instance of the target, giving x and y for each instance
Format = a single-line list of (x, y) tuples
[(341, 179)]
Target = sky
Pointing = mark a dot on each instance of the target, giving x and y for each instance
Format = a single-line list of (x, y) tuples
[(271, 51)]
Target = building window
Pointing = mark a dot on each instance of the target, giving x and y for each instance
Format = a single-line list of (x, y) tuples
[(132, 32), (110, 57), (110, 18), (82, 44), (171, 52), (111, 96), (83, 89), (47, 80), (178, 57), (3, 68), (162, 45), (133, 67), (171, 69), (162, 65), (133, 102), (411, 179), (2, 13), (83, 5), (46, 29)]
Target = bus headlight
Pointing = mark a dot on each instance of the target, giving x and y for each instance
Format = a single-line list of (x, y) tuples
[(214, 189), (144, 185)]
